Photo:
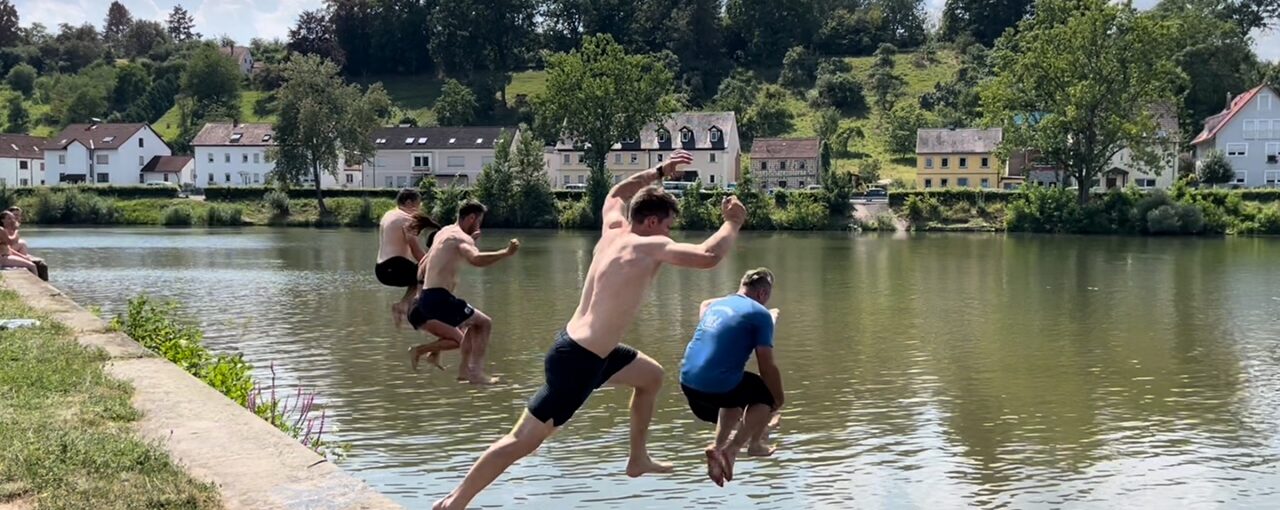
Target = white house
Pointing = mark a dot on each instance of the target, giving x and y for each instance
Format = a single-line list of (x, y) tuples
[(451, 155), (1123, 171), (1248, 131), (241, 56), (21, 161), (102, 153), (712, 137), (230, 154), (180, 170)]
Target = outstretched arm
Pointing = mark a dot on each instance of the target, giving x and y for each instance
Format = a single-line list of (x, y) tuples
[(477, 258), (711, 251), (764, 358), (615, 205)]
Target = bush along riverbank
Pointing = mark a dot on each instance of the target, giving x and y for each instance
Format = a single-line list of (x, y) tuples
[(66, 429), (1178, 211), (158, 327)]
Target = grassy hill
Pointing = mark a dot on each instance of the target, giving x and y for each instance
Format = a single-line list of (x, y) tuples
[(170, 124)]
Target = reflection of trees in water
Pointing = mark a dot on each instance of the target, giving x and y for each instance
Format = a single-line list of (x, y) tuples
[(1076, 358)]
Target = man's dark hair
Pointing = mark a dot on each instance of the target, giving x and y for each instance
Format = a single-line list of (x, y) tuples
[(471, 207), (422, 222), (408, 195), (757, 279), (652, 201)]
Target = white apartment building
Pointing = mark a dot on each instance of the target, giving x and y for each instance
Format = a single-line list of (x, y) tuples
[(102, 154), (712, 138), (21, 161), (451, 155)]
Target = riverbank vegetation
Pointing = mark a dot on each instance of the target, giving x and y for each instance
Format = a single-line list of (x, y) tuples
[(159, 328), (66, 429)]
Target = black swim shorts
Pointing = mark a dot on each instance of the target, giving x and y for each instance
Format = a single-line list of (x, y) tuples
[(441, 305), (751, 390), (397, 272), (572, 373)]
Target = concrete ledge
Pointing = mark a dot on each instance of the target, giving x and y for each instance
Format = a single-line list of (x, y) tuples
[(254, 465)]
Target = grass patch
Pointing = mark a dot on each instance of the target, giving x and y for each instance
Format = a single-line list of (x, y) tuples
[(65, 434), (169, 125)]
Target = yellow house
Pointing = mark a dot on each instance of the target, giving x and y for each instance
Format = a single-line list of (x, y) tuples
[(957, 158)]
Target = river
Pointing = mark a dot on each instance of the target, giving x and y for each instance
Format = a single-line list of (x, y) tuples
[(932, 371)]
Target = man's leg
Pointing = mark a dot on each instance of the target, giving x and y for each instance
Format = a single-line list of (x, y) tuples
[(756, 418), (644, 375), (759, 444), (523, 439), (400, 309), (725, 423), (474, 346), (19, 261)]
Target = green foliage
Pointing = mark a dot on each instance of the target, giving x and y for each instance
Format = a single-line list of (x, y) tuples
[(1116, 63), (496, 186), (178, 215), (212, 80), (69, 206), (447, 201), (843, 92), (535, 204), (737, 93), (576, 214), (1215, 169), (22, 79), (761, 31), (768, 116), (1040, 209), (456, 105), (697, 211), (798, 69), (132, 82), (158, 99), (884, 84), (922, 209), (838, 189), (758, 205), (804, 211), (869, 171), (902, 124), (278, 202), (18, 118), (220, 215), (597, 96)]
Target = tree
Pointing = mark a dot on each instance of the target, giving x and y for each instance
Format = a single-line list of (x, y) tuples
[(132, 82), (599, 95), (322, 120), (535, 204), (456, 105), (181, 25), (480, 42), (798, 69), (763, 30), (117, 24), (826, 123), (902, 123), (143, 38), (843, 92), (903, 22), (1215, 169), (212, 80), (768, 115), (1216, 57), (77, 47), (496, 185), (85, 105), (737, 92), (313, 35), (1078, 80), (956, 102), (18, 116), (159, 98), (886, 86), (984, 20), (22, 79), (10, 30)]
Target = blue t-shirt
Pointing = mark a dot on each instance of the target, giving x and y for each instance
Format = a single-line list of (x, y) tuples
[(729, 332)]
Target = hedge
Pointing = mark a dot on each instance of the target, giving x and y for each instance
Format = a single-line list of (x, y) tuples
[(989, 196), (240, 194), (121, 192)]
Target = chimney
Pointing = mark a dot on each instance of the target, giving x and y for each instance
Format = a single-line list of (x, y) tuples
[(1228, 99)]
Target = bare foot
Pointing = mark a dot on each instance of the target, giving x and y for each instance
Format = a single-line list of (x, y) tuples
[(434, 359), (441, 505), (775, 421), (715, 465), (479, 379), (638, 467), (728, 457), (761, 450), (413, 358)]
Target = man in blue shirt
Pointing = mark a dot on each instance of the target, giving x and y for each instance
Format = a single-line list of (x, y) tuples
[(713, 375)]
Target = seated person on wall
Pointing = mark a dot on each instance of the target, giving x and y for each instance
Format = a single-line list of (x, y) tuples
[(9, 255)]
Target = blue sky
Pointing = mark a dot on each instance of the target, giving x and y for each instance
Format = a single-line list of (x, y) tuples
[(245, 19)]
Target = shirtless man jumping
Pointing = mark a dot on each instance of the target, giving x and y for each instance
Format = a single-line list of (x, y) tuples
[(588, 353), (399, 251), (455, 243)]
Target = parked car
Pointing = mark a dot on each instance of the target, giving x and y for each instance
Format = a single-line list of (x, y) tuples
[(575, 187), (813, 187), (162, 184), (877, 193)]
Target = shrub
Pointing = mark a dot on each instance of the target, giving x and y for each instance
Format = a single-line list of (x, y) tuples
[(575, 214), (218, 215), (70, 206), (1040, 209), (696, 213), (277, 202), (921, 209), (843, 92), (178, 215), (804, 211)]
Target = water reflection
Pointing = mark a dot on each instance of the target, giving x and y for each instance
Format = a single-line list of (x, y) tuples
[(923, 371)]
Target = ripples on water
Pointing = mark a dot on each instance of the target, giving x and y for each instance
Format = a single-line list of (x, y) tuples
[(927, 372)]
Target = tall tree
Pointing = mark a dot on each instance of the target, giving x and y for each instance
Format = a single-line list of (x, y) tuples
[(984, 20), (1216, 169), (117, 24), (599, 95), (456, 105), (143, 38), (18, 117), (354, 22), (768, 115), (22, 79), (901, 125), (496, 186), (132, 82), (886, 86), (1116, 65), (401, 44), (10, 31), (181, 25), (903, 22), (1214, 54), (481, 42), (313, 35), (762, 30), (77, 47), (535, 204), (323, 120), (213, 81)]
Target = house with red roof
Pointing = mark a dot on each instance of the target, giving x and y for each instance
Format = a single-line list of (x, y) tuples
[(21, 161), (111, 153), (1248, 132)]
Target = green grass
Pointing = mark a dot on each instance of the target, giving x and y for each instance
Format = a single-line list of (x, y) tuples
[(415, 95), (66, 439), (919, 80), (169, 125)]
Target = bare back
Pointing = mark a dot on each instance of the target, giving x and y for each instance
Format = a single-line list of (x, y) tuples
[(440, 267), (621, 271), (393, 238)]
